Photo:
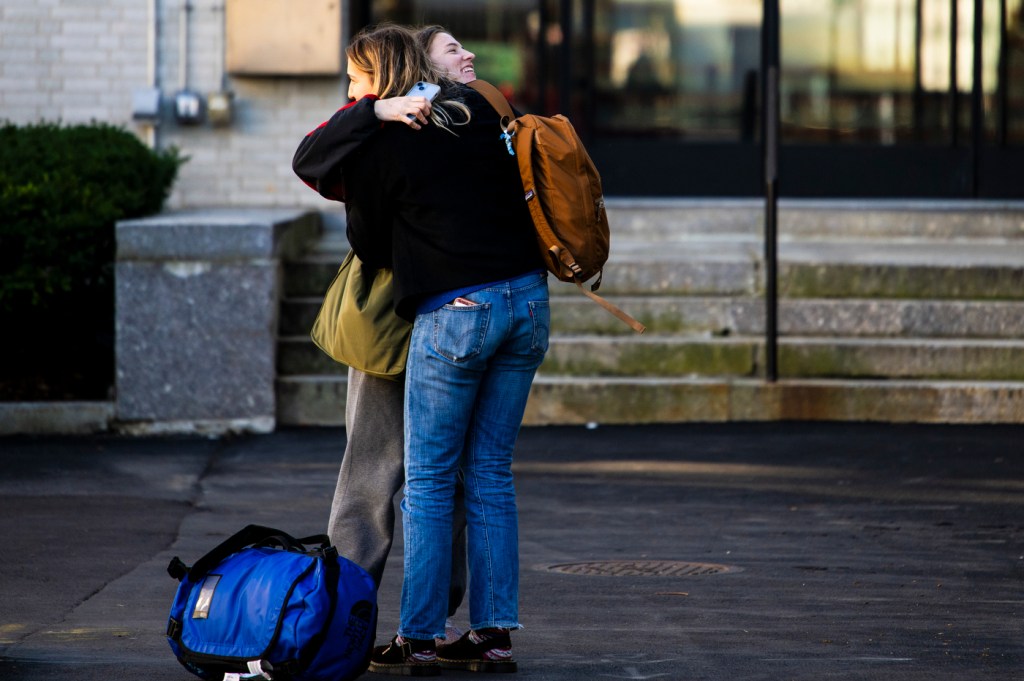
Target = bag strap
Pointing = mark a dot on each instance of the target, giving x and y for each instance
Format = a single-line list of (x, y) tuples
[(249, 535), (287, 670), (495, 99), (633, 323)]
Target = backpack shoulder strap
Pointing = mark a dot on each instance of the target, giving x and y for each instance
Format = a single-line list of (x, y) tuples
[(494, 98)]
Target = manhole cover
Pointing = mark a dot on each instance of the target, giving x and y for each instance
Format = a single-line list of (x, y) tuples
[(642, 568)]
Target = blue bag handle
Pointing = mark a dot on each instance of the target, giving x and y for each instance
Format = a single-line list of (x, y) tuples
[(250, 535)]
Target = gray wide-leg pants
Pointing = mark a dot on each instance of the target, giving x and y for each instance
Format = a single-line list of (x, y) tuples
[(362, 522)]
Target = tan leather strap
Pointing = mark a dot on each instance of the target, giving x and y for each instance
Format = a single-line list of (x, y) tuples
[(634, 324), (495, 98)]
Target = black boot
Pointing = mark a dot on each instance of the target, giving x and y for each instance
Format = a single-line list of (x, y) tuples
[(406, 657), (487, 650)]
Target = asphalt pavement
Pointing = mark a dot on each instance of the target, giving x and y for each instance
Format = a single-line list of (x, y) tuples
[(719, 552)]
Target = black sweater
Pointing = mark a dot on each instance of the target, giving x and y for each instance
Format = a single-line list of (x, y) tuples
[(443, 210), (319, 158)]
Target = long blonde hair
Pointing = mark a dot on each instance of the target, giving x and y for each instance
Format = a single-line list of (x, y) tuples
[(392, 57)]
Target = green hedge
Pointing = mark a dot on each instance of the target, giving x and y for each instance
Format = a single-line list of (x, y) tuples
[(62, 189)]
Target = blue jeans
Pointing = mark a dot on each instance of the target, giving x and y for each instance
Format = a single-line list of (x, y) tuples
[(467, 380)]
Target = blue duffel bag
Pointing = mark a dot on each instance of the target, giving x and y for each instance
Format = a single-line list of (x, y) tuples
[(266, 605)]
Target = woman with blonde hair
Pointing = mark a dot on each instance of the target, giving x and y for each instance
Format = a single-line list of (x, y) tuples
[(362, 517), (372, 472), (443, 207)]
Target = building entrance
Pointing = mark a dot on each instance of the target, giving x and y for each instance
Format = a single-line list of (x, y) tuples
[(878, 98)]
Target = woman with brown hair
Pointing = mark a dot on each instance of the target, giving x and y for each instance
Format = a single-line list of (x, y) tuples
[(362, 517), (443, 207)]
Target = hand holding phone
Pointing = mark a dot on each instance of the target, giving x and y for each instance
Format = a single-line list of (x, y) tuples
[(423, 89)]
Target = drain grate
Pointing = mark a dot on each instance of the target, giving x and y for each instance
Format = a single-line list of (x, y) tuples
[(642, 568)]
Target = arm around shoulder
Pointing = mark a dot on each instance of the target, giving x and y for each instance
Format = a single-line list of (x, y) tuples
[(320, 155)]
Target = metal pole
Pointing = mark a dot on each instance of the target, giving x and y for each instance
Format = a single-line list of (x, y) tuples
[(186, 7), (153, 67), (770, 142), (565, 60), (977, 103), (1003, 80), (587, 110), (918, 85), (954, 90), (542, 59)]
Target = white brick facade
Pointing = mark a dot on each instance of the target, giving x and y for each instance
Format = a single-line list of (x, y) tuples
[(81, 60)]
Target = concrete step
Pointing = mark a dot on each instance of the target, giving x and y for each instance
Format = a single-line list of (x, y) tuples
[(740, 357), (891, 220), (851, 317), (724, 316), (308, 400), (889, 310), (660, 219), (734, 267), (820, 270), (311, 400), (567, 401), (881, 270), (585, 356), (666, 356), (298, 355), (310, 275)]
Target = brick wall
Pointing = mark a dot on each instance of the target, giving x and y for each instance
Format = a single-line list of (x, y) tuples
[(81, 60)]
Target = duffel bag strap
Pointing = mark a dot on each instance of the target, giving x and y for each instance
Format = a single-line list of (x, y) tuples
[(322, 539), (247, 536), (332, 574), (292, 668)]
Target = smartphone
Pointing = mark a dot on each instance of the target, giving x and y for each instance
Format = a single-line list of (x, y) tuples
[(423, 89)]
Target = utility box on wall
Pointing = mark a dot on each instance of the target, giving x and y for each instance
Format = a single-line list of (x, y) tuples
[(283, 37)]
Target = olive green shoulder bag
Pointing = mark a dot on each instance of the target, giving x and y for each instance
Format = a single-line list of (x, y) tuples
[(357, 324)]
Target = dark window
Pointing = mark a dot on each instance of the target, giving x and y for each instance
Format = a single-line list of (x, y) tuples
[(877, 97)]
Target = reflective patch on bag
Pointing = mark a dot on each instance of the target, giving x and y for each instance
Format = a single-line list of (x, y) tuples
[(256, 670), (202, 609)]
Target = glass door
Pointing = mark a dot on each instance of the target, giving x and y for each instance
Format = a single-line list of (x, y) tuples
[(877, 97), (674, 95)]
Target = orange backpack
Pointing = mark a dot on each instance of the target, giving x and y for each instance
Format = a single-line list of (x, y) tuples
[(563, 191)]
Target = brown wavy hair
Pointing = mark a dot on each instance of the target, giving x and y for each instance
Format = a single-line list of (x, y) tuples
[(425, 35), (391, 55)]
